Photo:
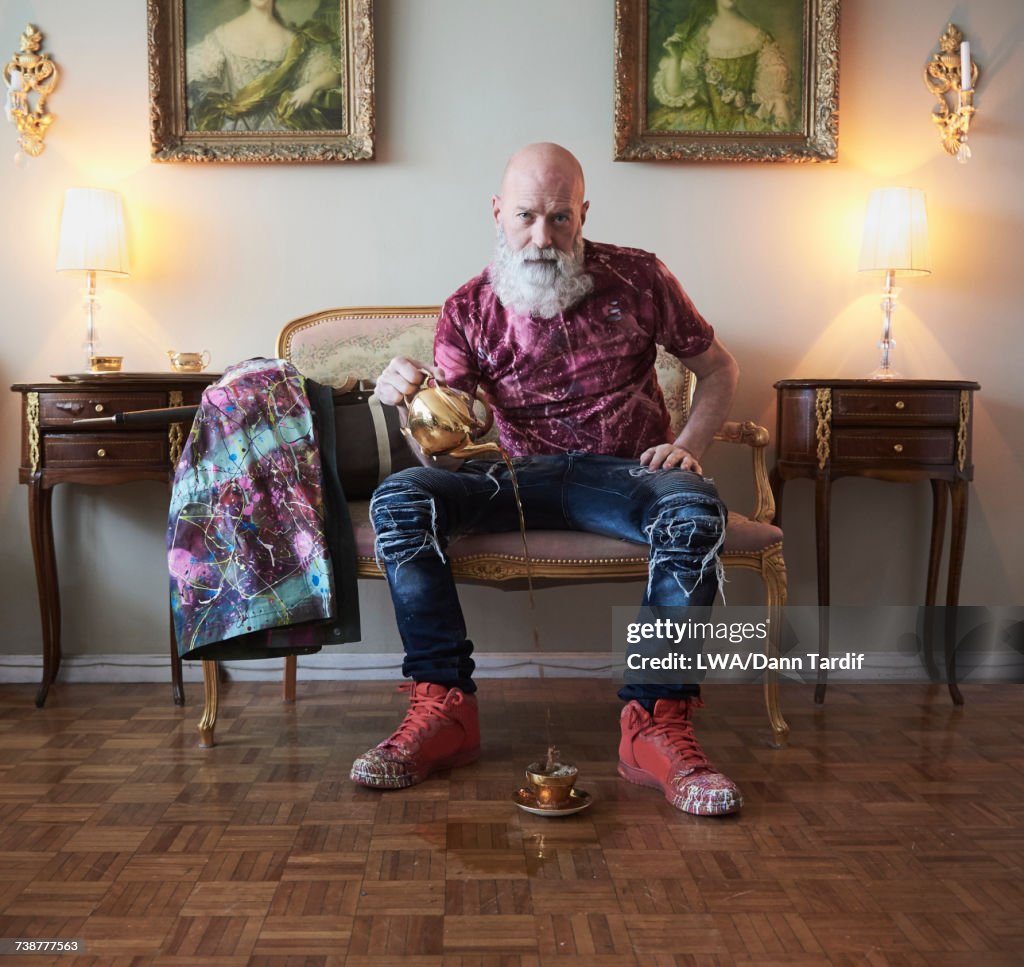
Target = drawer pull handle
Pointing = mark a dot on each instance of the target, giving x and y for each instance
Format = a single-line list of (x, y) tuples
[(99, 407), (898, 447), (101, 452), (900, 404)]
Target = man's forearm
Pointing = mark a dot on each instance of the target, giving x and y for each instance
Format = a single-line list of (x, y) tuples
[(712, 402)]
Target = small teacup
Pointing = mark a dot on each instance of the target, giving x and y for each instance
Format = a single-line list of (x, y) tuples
[(105, 364), (188, 362), (552, 785)]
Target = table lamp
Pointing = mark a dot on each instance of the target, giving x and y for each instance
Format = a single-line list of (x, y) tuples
[(92, 241), (895, 241)]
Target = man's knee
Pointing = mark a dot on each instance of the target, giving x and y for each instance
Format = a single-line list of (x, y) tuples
[(405, 518)]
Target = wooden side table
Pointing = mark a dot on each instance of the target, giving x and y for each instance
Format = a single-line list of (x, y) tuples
[(898, 430), (54, 450)]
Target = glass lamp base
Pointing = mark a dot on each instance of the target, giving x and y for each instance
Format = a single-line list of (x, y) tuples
[(884, 372)]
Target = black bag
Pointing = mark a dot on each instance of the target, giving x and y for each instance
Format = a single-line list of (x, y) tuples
[(368, 441)]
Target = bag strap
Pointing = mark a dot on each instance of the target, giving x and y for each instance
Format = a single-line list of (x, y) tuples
[(380, 430)]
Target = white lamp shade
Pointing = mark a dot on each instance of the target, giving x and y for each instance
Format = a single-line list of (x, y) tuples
[(895, 233), (92, 233)]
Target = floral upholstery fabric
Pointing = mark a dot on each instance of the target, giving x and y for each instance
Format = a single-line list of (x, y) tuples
[(339, 348)]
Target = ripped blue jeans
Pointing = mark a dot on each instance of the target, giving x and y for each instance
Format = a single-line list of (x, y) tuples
[(417, 511)]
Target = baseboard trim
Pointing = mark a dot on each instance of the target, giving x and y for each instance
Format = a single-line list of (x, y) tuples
[(333, 666)]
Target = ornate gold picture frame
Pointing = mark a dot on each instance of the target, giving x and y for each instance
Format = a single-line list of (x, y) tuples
[(726, 80), (261, 80)]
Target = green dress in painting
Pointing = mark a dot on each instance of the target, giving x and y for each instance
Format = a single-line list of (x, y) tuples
[(704, 86)]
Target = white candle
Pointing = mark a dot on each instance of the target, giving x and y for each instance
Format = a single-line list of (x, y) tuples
[(10, 101), (965, 66)]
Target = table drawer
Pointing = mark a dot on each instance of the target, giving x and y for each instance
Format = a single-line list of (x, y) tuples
[(62, 409), (893, 407), (909, 446), (105, 450)]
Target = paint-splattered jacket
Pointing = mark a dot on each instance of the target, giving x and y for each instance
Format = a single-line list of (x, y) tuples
[(248, 545)]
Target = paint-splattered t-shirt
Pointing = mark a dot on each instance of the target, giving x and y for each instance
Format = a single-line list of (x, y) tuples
[(584, 379)]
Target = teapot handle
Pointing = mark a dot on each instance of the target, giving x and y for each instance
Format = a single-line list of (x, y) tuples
[(488, 420), (408, 397), (483, 426)]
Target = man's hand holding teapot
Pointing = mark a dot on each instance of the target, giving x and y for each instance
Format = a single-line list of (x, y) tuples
[(400, 379)]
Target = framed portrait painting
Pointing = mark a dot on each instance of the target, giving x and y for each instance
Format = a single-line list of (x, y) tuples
[(261, 80), (726, 80)]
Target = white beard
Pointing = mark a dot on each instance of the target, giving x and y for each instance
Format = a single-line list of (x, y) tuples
[(539, 290)]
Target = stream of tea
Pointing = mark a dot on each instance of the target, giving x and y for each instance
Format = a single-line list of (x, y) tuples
[(526, 550)]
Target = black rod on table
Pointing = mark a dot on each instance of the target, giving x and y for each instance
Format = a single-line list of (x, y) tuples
[(161, 417)]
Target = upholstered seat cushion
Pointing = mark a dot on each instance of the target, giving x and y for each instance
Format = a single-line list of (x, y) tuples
[(746, 536), (742, 535)]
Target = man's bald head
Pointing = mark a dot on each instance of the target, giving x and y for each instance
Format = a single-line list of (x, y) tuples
[(545, 161)]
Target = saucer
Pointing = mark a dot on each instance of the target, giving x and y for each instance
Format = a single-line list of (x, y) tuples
[(527, 801)]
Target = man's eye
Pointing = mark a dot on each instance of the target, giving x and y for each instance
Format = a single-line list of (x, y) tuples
[(525, 216), (561, 219)]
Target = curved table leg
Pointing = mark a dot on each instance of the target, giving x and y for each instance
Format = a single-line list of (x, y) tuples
[(290, 663), (777, 483), (177, 685), (40, 517), (957, 542), (209, 719), (940, 494), (822, 510), (54, 587), (939, 504)]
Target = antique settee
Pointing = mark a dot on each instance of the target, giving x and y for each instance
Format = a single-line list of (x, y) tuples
[(336, 346)]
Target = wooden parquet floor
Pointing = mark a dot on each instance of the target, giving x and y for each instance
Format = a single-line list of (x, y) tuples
[(891, 831)]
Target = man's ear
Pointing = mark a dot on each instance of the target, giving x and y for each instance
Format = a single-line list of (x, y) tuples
[(583, 212), (496, 208)]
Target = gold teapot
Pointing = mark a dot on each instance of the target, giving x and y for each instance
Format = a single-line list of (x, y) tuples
[(442, 422)]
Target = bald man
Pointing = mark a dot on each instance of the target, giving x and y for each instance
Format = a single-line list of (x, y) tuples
[(560, 334)]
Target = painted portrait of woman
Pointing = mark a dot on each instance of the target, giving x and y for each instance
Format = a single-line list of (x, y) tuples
[(717, 66), (263, 65)]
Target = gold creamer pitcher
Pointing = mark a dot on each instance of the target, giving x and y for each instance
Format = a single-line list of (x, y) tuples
[(442, 422)]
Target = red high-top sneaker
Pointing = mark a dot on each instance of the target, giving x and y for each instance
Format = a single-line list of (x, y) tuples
[(441, 730), (662, 752)]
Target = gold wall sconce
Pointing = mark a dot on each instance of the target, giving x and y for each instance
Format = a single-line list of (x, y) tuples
[(30, 78), (951, 76)]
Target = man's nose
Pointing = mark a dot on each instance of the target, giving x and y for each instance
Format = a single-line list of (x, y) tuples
[(540, 234)]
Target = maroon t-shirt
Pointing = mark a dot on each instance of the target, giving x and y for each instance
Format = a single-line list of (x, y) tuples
[(584, 379)]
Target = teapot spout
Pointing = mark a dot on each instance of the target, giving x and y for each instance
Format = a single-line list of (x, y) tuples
[(470, 450)]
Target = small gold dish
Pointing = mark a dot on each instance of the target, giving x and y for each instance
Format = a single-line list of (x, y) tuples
[(577, 801), (105, 364), (188, 362)]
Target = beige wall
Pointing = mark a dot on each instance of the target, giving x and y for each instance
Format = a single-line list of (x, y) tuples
[(223, 255)]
